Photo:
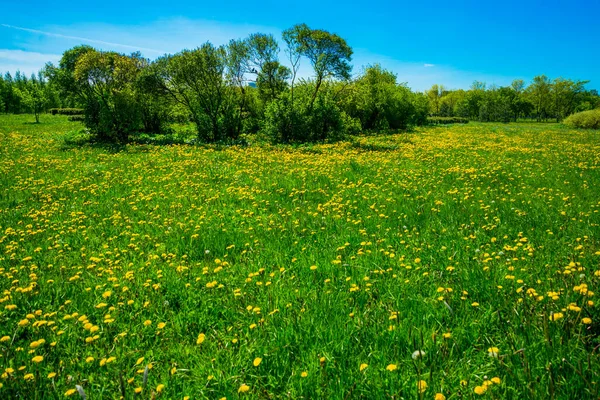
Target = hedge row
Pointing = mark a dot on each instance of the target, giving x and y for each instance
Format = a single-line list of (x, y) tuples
[(446, 120), (77, 118), (66, 111)]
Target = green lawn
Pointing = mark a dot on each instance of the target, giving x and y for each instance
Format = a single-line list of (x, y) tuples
[(477, 245)]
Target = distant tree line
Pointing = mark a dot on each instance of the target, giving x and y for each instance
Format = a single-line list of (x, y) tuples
[(244, 88), (542, 100)]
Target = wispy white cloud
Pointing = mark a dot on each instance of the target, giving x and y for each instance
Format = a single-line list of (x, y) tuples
[(28, 62), (428, 65), (83, 39)]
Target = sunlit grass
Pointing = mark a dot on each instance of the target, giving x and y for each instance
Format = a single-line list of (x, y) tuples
[(456, 261)]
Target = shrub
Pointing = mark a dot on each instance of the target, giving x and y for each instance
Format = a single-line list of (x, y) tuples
[(77, 118), (584, 120), (324, 121), (66, 111), (446, 120)]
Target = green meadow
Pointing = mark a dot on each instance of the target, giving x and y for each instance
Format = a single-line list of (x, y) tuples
[(453, 262)]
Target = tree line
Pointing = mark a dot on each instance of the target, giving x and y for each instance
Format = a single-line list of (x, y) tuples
[(245, 88), (544, 99)]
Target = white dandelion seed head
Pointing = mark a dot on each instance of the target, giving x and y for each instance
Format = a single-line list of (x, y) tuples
[(418, 353)]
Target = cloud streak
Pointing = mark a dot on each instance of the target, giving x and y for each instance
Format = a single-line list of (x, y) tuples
[(83, 39)]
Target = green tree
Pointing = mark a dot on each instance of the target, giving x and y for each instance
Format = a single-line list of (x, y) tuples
[(196, 80), (34, 97), (328, 54), (106, 83)]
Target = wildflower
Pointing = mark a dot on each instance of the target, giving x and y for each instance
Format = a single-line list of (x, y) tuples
[(4, 338), (586, 321), (417, 354), (28, 377), (556, 316), (304, 374), (37, 359), (51, 375), (243, 388), (391, 367), (161, 325), (139, 361), (496, 380), (493, 352), (257, 361), (70, 392), (313, 267), (363, 367), (147, 322), (480, 389), (439, 396), (200, 338), (89, 359), (447, 335), (160, 388), (138, 390)]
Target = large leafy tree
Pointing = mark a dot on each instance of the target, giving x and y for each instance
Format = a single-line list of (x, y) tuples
[(196, 79), (106, 81), (328, 53)]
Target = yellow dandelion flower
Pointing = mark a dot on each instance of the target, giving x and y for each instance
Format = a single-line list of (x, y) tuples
[(147, 322), (161, 325), (304, 374), (70, 392), (139, 361), (496, 380), (391, 367), (363, 367), (4, 338), (421, 386), (556, 316), (586, 321), (439, 396), (480, 389), (200, 338), (243, 388), (37, 359), (257, 361), (51, 375), (160, 388)]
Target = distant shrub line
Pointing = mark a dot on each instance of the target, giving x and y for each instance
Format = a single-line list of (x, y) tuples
[(66, 111), (446, 120)]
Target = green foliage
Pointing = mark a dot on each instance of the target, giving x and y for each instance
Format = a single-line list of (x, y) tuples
[(307, 121), (446, 120), (379, 102), (106, 81), (66, 111), (196, 80), (584, 120)]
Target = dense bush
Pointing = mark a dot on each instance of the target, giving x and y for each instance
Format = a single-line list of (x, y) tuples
[(584, 120), (304, 121), (77, 118), (380, 103), (66, 111), (446, 120)]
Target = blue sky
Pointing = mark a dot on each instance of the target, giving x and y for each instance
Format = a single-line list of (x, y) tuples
[(451, 43)]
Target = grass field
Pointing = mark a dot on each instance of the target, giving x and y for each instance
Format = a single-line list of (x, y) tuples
[(452, 262)]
